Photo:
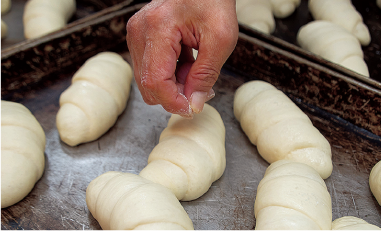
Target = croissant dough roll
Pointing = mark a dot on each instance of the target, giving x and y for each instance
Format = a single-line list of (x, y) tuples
[(190, 154), (5, 6), (4, 29), (333, 43), (22, 152), (124, 201), (342, 13), (97, 96), (42, 17), (279, 129), (256, 14), (284, 8), (375, 181), (292, 196), (352, 223)]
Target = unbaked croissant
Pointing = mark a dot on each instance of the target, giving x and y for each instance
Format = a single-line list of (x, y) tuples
[(284, 8), (342, 13), (22, 152), (97, 96), (352, 223), (375, 181), (4, 29), (333, 43), (292, 196), (279, 129), (42, 17), (189, 157), (125, 201), (190, 154), (256, 14), (5, 6)]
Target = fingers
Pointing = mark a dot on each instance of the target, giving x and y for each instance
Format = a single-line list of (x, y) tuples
[(213, 52), (158, 79), (160, 38), (184, 64), (155, 48)]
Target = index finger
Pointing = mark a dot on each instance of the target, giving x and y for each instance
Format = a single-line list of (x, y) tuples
[(158, 75)]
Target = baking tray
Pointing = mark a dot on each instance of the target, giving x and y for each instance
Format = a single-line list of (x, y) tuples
[(287, 28), (58, 198), (279, 60), (14, 17), (26, 63)]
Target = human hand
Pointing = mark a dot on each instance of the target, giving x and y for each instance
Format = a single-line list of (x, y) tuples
[(160, 38)]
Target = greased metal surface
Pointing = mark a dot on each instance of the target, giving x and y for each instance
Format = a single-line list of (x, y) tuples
[(58, 199)]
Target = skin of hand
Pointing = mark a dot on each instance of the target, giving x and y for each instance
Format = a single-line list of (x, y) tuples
[(160, 38)]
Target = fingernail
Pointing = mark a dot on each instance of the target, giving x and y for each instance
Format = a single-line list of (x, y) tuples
[(197, 101), (189, 114), (210, 95), (186, 113)]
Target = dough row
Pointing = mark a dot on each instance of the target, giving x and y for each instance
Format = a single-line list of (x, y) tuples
[(189, 157), (337, 33)]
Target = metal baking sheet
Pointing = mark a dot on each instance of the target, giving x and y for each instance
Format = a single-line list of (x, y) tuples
[(58, 199), (27, 63), (273, 58), (287, 28), (278, 59), (14, 17), (356, 99)]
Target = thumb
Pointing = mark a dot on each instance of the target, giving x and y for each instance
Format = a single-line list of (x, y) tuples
[(214, 49), (200, 79), (198, 86)]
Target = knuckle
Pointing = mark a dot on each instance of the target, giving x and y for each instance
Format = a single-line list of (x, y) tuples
[(227, 31), (206, 75), (226, 35), (148, 100), (147, 96), (148, 85), (147, 18), (152, 15), (155, 16), (132, 25)]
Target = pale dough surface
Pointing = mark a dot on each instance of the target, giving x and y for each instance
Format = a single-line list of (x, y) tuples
[(4, 29), (334, 43), (281, 218), (375, 181), (256, 14), (279, 129), (5, 6), (22, 152), (352, 223), (284, 8), (97, 96), (125, 201), (292, 195), (190, 154), (42, 17), (342, 13)]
